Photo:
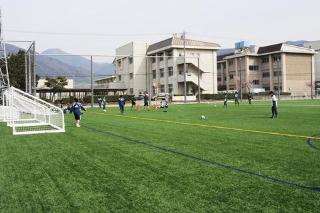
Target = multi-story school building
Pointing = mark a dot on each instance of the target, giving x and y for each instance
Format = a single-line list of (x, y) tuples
[(280, 66), (159, 68)]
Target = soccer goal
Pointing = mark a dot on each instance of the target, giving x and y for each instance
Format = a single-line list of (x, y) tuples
[(27, 114)]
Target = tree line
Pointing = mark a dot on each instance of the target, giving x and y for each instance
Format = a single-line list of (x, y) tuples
[(16, 67)]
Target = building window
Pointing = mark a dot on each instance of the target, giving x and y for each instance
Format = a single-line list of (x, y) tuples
[(219, 66), (119, 77), (169, 54), (276, 58), (130, 60), (230, 76), (119, 63), (170, 87), (225, 78), (161, 73), (265, 75), (170, 71), (131, 91), (256, 82), (153, 59), (131, 75), (219, 78), (154, 74), (160, 57), (267, 88), (161, 88), (265, 60), (253, 67), (277, 73), (230, 62)]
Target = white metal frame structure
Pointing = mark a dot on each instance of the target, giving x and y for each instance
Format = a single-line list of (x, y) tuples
[(27, 114)]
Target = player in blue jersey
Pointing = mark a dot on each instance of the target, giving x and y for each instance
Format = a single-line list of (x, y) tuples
[(121, 103), (76, 109)]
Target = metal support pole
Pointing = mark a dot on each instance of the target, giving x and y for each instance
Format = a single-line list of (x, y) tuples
[(279, 70), (185, 67), (240, 80), (150, 81), (29, 73), (34, 68), (199, 89), (91, 74), (26, 72), (311, 76)]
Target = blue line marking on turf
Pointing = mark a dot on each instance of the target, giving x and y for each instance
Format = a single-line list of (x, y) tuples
[(212, 162), (309, 142)]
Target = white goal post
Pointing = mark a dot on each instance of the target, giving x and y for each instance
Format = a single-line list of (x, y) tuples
[(27, 114)]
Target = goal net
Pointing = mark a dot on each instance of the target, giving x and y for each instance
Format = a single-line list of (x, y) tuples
[(27, 114)]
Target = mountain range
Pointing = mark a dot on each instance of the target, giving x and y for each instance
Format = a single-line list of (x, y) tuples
[(74, 67)]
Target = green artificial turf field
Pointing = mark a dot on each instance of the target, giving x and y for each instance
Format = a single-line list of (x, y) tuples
[(236, 160)]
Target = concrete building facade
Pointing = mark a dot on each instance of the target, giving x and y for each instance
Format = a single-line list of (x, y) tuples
[(283, 67), (159, 68)]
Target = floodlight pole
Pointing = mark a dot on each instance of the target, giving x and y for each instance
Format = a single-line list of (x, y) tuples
[(184, 67), (92, 91)]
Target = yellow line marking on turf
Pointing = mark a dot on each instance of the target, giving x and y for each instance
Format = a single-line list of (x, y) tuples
[(215, 127)]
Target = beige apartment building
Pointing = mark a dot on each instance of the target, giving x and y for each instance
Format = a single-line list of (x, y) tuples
[(159, 68), (280, 66)]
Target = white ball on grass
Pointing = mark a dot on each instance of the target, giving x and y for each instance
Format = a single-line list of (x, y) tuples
[(203, 117)]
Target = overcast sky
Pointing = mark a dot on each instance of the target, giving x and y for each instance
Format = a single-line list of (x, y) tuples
[(86, 26)]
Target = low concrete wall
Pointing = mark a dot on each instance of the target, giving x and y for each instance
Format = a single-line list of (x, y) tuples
[(181, 98)]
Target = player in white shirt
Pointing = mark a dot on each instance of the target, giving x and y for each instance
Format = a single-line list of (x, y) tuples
[(274, 101)]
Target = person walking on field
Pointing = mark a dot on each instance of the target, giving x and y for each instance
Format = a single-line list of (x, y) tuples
[(146, 101), (225, 101), (249, 97), (236, 99), (133, 103), (274, 107), (121, 103)]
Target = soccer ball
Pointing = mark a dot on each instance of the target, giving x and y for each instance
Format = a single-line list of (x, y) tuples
[(104, 110), (203, 117)]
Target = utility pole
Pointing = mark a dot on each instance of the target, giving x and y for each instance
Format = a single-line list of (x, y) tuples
[(184, 67)]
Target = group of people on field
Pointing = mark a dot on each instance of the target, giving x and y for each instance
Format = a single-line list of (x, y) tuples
[(274, 102), (76, 107), (236, 99)]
